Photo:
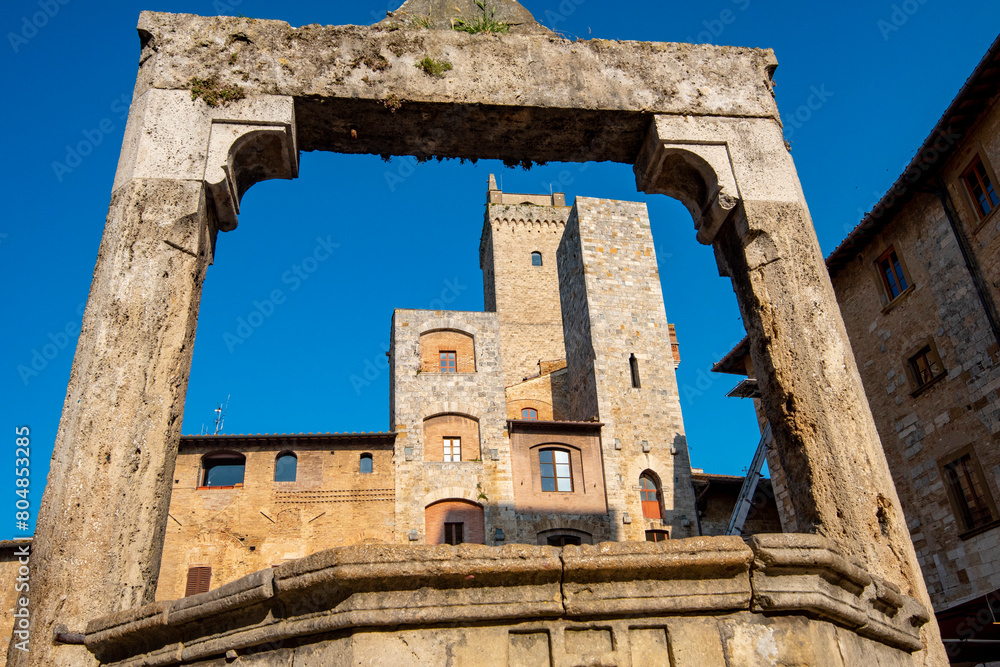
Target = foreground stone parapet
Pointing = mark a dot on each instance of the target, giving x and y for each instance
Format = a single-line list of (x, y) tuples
[(784, 599)]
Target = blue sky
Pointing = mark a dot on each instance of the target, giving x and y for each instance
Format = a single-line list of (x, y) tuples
[(880, 73)]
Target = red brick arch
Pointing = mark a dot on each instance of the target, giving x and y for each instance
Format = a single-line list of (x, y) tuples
[(454, 511)]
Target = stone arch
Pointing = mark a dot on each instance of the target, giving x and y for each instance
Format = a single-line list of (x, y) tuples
[(700, 176), (446, 324), (452, 407), (451, 493), (657, 481)]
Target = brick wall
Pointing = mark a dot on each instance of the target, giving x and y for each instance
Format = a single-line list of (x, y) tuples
[(433, 342), (436, 429), (585, 508), (242, 530), (454, 511)]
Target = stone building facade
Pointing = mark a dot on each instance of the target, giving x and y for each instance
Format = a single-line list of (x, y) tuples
[(487, 443), (918, 283)]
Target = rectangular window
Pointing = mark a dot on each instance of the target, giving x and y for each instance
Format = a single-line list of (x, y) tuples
[(449, 363), (980, 188), (198, 581), (925, 366), (892, 274), (969, 493), (452, 449), (634, 367), (555, 469), (453, 533)]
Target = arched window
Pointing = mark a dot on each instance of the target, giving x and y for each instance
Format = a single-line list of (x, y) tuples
[(536, 259), (367, 465), (285, 467), (223, 469), (649, 493), (555, 469), (530, 414)]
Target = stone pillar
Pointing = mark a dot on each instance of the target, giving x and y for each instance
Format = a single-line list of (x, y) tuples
[(739, 182), (183, 168)]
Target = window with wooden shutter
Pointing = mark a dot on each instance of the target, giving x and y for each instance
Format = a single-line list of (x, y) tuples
[(649, 494), (199, 579)]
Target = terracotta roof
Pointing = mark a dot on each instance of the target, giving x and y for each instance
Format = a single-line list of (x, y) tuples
[(733, 363), (287, 436), (961, 114)]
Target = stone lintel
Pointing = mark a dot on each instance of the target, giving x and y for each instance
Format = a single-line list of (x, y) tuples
[(358, 89), (383, 586)]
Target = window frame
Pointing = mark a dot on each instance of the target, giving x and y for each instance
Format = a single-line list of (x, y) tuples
[(555, 477), (658, 532), (964, 519), (989, 185), (525, 417), (448, 449), (657, 495), (565, 538), (902, 278), (456, 527), (295, 471), (366, 456), (207, 461), (448, 365), (927, 351), (541, 261)]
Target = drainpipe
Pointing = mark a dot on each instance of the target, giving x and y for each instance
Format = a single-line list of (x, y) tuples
[(970, 260)]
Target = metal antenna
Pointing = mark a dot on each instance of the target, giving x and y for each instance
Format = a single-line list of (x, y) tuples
[(220, 415)]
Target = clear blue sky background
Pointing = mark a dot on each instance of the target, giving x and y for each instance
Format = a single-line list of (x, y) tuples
[(406, 244)]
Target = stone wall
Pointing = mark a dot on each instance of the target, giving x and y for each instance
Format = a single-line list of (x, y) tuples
[(236, 531), (613, 310), (482, 478), (701, 602)]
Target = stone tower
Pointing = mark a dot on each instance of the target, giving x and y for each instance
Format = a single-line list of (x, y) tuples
[(621, 362), (517, 253)]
